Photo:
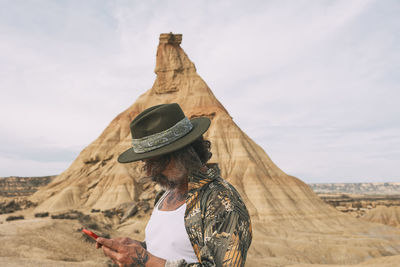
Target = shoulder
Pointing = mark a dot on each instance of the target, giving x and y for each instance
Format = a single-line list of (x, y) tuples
[(220, 188), (225, 213), (220, 196)]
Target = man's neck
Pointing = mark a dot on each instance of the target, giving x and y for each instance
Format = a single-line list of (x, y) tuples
[(176, 197)]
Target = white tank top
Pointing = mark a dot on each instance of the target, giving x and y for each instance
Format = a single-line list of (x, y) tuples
[(166, 236)]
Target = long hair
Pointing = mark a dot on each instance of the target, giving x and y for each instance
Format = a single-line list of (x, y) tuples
[(192, 157)]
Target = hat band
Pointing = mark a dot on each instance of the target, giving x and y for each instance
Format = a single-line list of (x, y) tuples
[(157, 140)]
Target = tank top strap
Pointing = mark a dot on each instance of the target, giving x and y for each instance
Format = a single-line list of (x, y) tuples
[(162, 199)]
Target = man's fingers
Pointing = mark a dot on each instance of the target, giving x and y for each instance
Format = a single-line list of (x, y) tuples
[(110, 253), (113, 244), (124, 240)]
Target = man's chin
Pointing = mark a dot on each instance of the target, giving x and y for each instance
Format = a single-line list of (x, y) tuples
[(164, 182)]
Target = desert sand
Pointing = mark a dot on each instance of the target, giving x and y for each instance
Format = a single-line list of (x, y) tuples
[(292, 225), (385, 215)]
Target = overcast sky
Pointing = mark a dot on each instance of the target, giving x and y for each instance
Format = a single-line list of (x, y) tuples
[(315, 83)]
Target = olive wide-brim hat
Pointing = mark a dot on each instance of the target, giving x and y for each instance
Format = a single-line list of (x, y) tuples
[(160, 130)]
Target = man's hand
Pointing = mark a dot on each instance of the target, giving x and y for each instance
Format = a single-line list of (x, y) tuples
[(123, 240), (127, 252)]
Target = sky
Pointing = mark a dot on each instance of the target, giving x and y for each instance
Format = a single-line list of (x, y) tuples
[(315, 83)]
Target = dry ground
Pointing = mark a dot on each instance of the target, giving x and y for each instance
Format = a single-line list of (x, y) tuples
[(51, 242), (57, 242)]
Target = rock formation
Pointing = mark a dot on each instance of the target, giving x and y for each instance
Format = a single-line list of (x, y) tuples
[(291, 224), (22, 186), (385, 215)]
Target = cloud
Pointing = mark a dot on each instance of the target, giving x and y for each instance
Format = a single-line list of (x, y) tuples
[(315, 83), (26, 167)]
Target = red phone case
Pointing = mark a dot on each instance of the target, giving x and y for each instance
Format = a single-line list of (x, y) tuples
[(90, 233)]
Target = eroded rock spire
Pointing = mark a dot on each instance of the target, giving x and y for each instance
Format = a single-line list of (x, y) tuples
[(170, 38), (172, 64)]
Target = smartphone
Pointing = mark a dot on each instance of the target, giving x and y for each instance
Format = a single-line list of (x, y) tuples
[(90, 233)]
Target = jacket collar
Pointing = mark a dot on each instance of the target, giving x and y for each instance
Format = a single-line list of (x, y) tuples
[(197, 179)]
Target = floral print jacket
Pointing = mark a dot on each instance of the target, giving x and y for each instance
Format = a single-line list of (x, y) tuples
[(216, 220)]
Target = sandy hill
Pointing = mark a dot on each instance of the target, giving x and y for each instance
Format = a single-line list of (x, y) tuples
[(291, 224), (386, 215)]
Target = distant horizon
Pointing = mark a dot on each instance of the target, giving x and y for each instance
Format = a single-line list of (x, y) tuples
[(337, 182)]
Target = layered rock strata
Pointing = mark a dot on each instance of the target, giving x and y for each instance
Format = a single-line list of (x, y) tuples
[(15, 186)]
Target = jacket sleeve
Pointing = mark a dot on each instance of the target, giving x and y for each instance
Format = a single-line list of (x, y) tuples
[(227, 232)]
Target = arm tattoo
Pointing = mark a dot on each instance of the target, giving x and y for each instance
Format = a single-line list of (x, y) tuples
[(140, 260)]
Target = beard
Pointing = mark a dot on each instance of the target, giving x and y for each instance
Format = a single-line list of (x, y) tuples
[(155, 168), (164, 182)]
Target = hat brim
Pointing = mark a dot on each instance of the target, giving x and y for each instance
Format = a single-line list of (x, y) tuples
[(200, 126)]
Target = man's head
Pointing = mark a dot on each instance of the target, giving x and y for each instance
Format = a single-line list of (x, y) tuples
[(170, 170), (165, 138)]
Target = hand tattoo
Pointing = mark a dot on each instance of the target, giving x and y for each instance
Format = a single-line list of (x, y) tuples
[(140, 260), (143, 244)]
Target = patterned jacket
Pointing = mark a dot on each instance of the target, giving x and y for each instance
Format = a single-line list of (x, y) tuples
[(216, 220)]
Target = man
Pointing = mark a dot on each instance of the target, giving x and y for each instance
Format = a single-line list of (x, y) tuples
[(201, 219)]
